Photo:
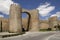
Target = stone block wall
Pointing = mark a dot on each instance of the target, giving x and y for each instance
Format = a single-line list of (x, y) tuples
[(53, 21), (44, 24), (15, 22), (4, 24)]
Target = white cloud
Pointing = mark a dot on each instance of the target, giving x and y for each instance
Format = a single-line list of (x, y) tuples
[(45, 9), (53, 15), (5, 5), (1, 16), (57, 14)]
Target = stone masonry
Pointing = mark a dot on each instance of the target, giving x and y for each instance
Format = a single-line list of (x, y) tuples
[(14, 23), (15, 20), (53, 22)]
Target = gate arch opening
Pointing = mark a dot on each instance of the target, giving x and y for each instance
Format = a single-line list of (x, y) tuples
[(27, 17)]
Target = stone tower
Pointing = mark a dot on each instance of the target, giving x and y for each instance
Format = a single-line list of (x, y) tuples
[(15, 19)]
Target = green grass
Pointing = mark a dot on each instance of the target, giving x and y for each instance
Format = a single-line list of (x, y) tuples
[(45, 30)]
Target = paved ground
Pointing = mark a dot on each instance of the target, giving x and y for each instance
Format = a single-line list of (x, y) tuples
[(36, 36), (55, 37)]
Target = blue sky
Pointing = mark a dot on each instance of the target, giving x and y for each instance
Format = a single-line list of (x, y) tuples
[(31, 4), (34, 4)]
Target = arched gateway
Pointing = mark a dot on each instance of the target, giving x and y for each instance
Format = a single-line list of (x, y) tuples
[(15, 19)]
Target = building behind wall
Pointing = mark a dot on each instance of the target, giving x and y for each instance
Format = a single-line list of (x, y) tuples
[(53, 21)]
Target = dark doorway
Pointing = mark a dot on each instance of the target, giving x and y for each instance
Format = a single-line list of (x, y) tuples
[(58, 26)]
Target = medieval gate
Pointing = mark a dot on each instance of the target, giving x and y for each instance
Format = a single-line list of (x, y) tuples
[(15, 20)]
